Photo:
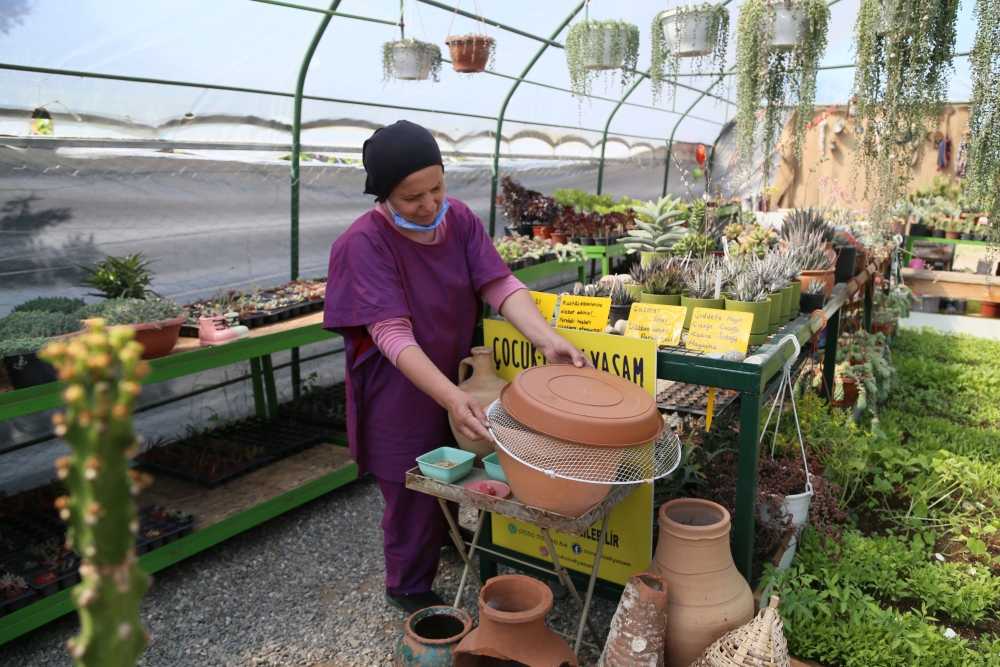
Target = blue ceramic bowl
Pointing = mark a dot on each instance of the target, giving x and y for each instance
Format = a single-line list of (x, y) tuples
[(493, 469), (463, 464)]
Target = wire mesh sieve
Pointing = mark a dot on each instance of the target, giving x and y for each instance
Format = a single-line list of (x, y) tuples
[(597, 465)]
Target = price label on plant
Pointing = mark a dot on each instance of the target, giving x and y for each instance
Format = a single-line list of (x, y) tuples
[(719, 330), (583, 313), (662, 324), (546, 303)]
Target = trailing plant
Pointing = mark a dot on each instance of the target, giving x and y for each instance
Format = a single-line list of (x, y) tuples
[(983, 146), (700, 278), (585, 47), (37, 324), (774, 79), (473, 41), (117, 312), (119, 277), (429, 56), (104, 372), (903, 54), (716, 20), (50, 304)]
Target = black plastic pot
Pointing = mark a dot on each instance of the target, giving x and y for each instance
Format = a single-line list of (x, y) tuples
[(586, 240), (601, 240), (918, 229), (810, 302), (968, 236), (574, 239), (619, 313), (847, 263), (27, 370), (930, 304), (524, 230), (938, 234)]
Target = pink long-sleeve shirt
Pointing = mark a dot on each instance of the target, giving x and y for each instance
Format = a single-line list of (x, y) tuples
[(395, 334)]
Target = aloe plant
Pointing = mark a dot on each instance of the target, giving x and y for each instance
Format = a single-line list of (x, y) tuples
[(665, 229), (104, 370)]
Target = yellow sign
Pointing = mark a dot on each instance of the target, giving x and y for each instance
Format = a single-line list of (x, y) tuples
[(584, 313), (719, 330), (546, 303), (628, 544), (660, 324)]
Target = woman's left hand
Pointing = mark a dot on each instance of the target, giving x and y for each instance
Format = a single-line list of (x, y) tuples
[(558, 350)]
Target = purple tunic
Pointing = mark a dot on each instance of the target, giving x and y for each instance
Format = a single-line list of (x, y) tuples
[(377, 273)]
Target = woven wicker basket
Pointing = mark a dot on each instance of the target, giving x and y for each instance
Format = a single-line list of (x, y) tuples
[(759, 643)]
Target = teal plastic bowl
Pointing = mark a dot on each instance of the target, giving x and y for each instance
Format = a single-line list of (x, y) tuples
[(493, 469), (463, 464)]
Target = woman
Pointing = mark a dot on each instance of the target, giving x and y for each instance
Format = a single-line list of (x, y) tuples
[(404, 290)]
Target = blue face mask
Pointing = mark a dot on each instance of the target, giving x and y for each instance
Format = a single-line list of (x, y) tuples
[(412, 226)]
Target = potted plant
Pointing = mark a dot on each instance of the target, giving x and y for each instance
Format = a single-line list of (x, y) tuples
[(22, 334), (410, 60), (779, 289), (816, 262), (701, 279), (748, 293), (621, 302), (813, 296), (50, 304), (691, 31), (697, 246), (119, 277), (953, 229), (512, 200), (592, 46), (14, 593), (663, 285), (660, 226), (157, 322), (471, 53), (778, 47)]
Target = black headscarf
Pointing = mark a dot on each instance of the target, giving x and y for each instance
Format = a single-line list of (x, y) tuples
[(393, 153)]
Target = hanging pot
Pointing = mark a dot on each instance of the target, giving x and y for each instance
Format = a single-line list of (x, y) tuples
[(790, 24), (708, 596), (850, 394), (476, 378), (429, 637), (409, 64), (686, 31), (470, 53), (599, 52), (796, 507)]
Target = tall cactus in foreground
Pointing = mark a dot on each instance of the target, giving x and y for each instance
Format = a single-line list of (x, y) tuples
[(104, 370)]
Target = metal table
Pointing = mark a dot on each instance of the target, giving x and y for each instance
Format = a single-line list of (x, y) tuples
[(510, 507)]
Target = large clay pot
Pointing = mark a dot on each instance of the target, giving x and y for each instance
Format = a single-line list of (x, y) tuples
[(708, 596), (158, 338), (430, 635), (512, 611), (469, 53), (639, 625), (485, 387)]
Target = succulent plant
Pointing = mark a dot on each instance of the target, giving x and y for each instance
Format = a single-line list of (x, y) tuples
[(665, 280), (700, 278), (104, 371), (621, 296), (733, 231), (806, 219), (814, 287), (37, 324), (13, 585), (810, 251), (695, 245), (597, 290), (50, 304), (23, 345), (775, 271), (116, 312), (746, 279), (664, 230)]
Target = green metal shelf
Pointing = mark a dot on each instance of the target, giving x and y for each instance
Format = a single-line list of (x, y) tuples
[(547, 269)]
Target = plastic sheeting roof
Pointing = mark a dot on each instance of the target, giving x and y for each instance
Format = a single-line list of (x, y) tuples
[(247, 44)]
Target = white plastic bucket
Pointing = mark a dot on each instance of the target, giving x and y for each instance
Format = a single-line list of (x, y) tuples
[(408, 64), (789, 25), (692, 38), (797, 507), (599, 53)]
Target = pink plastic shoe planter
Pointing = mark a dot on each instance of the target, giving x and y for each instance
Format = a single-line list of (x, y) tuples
[(917, 264), (214, 331)]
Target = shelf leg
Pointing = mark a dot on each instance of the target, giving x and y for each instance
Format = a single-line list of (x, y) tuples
[(564, 579), (746, 483), (869, 290), (582, 273), (605, 265), (296, 374), (257, 379), (269, 388), (830, 353), (487, 566)]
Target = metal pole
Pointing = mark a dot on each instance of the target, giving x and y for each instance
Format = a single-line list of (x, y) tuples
[(746, 483), (604, 140), (503, 110), (670, 143)]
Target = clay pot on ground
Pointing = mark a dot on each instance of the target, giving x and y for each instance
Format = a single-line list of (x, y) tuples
[(639, 624), (708, 596), (469, 53), (158, 338), (512, 611), (476, 378), (429, 637)]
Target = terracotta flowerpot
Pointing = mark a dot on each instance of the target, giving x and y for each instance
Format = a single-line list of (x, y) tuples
[(953, 235), (661, 299), (884, 328), (691, 303), (469, 53), (158, 338), (793, 310), (708, 596), (536, 231), (430, 635), (547, 231), (826, 276), (989, 309), (850, 394), (512, 611), (639, 625), (761, 316), (485, 387), (559, 237)]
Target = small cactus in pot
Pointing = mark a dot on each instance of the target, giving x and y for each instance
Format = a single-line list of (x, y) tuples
[(104, 371)]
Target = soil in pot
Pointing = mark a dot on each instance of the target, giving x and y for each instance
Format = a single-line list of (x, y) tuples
[(470, 53)]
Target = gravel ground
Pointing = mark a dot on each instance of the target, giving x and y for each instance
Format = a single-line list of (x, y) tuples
[(305, 588)]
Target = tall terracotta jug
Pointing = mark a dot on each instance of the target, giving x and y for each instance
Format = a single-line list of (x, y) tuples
[(485, 387), (708, 596)]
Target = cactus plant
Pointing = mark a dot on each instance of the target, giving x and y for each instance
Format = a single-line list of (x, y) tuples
[(104, 371)]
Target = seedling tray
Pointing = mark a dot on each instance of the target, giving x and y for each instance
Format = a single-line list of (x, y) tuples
[(204, 480), (170, 530), (277, 439), (265, 317), (10, 605), (693, 399), (327, 407), (42, 580)]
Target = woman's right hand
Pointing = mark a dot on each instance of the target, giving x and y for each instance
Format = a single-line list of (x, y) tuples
[(468, 416)]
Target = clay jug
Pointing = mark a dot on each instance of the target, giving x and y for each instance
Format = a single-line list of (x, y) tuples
[(512, 611), (485, 387), (708, 596), (637, 630), (430, 635)]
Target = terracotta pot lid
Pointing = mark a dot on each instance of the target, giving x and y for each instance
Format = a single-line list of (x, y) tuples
[(582, 406)]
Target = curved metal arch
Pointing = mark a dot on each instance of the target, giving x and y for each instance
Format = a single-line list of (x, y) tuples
[(503, 110)]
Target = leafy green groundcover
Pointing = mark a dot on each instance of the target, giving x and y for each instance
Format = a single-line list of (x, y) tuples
[(916, 579)]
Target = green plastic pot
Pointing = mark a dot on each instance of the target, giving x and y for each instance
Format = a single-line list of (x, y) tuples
[(793, 312), (661, 299), (761, 313), (774, 317), (691, 303), (634, 289), (647, 256), (786, 304)]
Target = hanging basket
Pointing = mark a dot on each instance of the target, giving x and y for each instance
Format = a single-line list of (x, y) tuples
[(601, 54), (411, 60), (470, 53), (790, 22), (687, 32), (759, 643)]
